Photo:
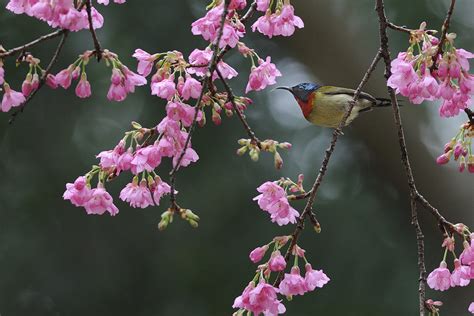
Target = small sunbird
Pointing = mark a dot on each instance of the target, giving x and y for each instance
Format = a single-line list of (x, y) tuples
[(326, 105)]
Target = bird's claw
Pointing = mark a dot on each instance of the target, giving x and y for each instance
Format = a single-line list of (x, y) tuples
[(339, 132)]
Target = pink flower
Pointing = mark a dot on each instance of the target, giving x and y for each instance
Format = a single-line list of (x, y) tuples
[(159, 188), (208, 26), (179, 111), (190, 155), (314, 278), (282, 213), (137, 195), (51, 81), (444, 158), (460, 275), (83, 88), (118, 158), (2, 74), (101, 202), (287, 21), (467, 256), (271, 192), (145, 62), (265, 24), (293, 283), (230, 36), (26, 86), (202, 58), (64, 77), (440, 278), (258, 253), (78, 192), (260, 299), (237, 4), (403, 74), (165, 89), (11, 98), (191, 89), (262, 5), (123, 81), (146, 158), (277, 262), (262, 76), (471, 308)]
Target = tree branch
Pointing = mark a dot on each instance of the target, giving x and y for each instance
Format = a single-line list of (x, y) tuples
[(444, 31), (32, 43), (53, 61), (98, 48), (322, 171)]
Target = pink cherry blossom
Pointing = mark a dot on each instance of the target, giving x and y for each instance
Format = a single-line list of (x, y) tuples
[(158, 189), (231, 35), (315, 278), (137, 195), (11, 98), (467, 256), (191, 88), (440, 278), (165, 89), (270, 193), (179, 111), (64, 77), (101, 202), (146, 158), (2, 74), (262, 5), (118, 158), (208, 26), (78, 192), (460, 275), (262, 76), (83, 88), (237, 4), (293, 283), (258, 253), (51, 81), (260, 299), (471, 308), (265, 24), (190, 155), (282, 213), (145, 62), (106, 2), (26, 86), (287, 21), (277, 262), (202, 58)]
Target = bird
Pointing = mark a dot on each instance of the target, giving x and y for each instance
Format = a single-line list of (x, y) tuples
[(326, 105)]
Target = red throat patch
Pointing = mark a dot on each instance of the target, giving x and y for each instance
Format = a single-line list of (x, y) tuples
[(306, 107)]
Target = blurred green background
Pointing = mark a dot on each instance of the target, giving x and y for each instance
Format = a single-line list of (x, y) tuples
[(56, 260)]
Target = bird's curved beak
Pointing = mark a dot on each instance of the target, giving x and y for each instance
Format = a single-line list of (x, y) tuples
[(284, 88)]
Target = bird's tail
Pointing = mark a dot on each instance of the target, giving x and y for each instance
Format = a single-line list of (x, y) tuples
[(382, 102)]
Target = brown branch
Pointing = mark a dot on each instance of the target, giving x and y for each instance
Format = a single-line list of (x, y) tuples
[(322, 171), (444, 31), (405, 29), (206, 82), (32, 43), (470, 115), (53, 61), (231, 98), (98, 48)]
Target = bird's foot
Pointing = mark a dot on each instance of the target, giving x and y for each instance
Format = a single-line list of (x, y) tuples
[(339, 132)]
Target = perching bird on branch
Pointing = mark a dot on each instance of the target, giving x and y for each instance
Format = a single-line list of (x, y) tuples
[(326, 105)]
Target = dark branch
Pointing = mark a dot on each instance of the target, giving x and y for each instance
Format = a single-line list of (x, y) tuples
[(32, 43), (444, 31), (470, 115), (405, 29), (97, 47), (53, 61), (307, 211)]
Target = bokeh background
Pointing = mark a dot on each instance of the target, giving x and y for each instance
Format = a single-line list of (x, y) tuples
[(56, 260)]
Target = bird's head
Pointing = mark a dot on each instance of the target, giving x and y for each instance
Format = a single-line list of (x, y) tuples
[(302, 91)]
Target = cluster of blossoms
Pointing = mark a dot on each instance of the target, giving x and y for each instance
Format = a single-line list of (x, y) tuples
[(123, 80), (460, 147), (280, 20), (274, 199), (442, 278), (63, 13), (260, 296), (425, 75), (268, 145), (139, 152)]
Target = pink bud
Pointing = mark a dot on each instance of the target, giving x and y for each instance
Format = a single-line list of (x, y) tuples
[(257, 254)]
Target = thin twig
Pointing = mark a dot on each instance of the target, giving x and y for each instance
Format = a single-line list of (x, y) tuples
[(470, 115), (405, 29), (231, 97), (32, 43), (95, 39), (205, 86), (322, 171), (444, 31), (43, 78)]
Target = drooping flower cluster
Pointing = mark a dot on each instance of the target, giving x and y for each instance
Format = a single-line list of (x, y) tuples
[(139, 152), (274, 200), (280, 20), (420, 74), (123, 80), (442, 278), (65, 14), (260, 296), (460, 148)]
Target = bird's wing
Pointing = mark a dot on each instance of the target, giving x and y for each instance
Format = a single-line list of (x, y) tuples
[(330, 90)]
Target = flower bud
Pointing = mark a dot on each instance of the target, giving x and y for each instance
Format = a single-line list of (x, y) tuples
[(242, 150), (278, 160)]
